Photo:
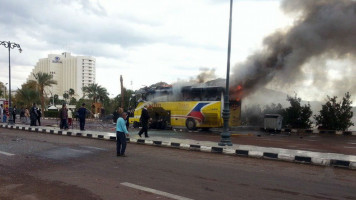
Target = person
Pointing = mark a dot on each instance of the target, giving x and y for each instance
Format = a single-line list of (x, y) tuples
[(14, 111), (33, 115), (115, 116), (144, 121), (82, 112), (27, 115), (22, 114), (39, 115), (1, 112), (63, 116), (127, 119), (121, 134), (102, 113), (70, 117)]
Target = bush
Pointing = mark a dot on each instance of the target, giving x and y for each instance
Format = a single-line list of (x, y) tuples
[(51, 113), (297, 116), (335, 115)]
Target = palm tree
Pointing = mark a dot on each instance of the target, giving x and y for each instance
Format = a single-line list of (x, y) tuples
[(43, 80), (71, 92), (1, 88), (65, 96), (95, 92), (26, 96)]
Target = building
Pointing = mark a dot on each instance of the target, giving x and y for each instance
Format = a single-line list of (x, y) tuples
[(69, 71)]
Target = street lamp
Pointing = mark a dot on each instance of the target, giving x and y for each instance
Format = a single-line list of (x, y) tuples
[(10, 45), (5, 90), (225, 135)]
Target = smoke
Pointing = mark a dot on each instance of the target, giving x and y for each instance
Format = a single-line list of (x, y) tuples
[(323, 29), (205, 75)]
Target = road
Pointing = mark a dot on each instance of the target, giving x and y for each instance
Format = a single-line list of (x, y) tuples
[(44, 166)]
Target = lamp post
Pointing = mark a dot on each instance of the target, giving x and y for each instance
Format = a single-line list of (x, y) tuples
[(5, 90), (10, 46), (225, 135)]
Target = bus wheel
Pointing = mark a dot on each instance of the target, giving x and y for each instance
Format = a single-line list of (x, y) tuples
[(135, 124), (190, 124)]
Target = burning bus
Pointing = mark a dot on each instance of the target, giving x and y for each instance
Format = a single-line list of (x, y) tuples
[(190, 107)]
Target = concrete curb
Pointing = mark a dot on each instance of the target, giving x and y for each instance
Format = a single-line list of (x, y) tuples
[(315, 131), (298, 156)]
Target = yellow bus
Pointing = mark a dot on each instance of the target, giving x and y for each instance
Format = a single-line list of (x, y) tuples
[(192, 107)]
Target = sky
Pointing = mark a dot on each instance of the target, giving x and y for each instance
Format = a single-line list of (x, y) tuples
[(144, 41)]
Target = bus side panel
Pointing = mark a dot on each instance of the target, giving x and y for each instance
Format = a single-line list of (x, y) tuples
[(137, 113), (235, 113), (212, 115), (179, 112)]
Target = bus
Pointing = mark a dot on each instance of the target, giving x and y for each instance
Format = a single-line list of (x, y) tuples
[(190, 107)]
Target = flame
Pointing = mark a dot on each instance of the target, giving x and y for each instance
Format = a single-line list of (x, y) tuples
[(236, 93)]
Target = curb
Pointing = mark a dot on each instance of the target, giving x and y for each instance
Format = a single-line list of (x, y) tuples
[(316, 131), (297, 156)]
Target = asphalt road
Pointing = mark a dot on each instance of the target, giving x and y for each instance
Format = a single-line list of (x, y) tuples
[(328, 143), (44, 166)]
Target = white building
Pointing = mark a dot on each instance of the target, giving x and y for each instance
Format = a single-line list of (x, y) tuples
[(69, 72)]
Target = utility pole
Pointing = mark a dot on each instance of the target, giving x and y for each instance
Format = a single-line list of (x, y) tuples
[(225, 135), (122, 93)]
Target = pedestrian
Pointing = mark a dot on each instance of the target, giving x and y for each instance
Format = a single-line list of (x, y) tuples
[(14, 111), (22, 114), (1, 112), (63, 116), (39, 115), (121, 134), (27, 116), (70, 117), (127, 119), (144, 121), (115, 116), (33, 115), (82, 112)]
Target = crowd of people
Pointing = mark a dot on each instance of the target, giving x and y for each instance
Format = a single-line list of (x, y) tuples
[(30, 116), (33, 116)]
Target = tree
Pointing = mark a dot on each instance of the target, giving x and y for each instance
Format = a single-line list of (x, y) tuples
[(66, 96), (128, 101), (95, 92), (71, 92), (43, 80), (335, 115), (297, 116), (274, 109), (73, 101), (27, 95), (2, 87)]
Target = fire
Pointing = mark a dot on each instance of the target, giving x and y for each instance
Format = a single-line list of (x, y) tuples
[(236, 93)]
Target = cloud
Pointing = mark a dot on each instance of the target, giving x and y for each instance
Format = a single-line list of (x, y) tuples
[(146, 41)]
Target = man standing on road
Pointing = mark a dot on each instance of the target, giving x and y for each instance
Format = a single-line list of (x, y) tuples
[(82, 112), (63, 115), (14, 112), (70, 118), (144, 121), (33, 115), (121, 133)]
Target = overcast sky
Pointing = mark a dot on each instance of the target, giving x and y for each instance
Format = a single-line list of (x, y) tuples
[(145, 41)]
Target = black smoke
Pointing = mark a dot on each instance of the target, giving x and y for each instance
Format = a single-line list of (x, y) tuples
[(322, 30)]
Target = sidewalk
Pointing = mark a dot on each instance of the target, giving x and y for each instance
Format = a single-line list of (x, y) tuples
[(282, 154)]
